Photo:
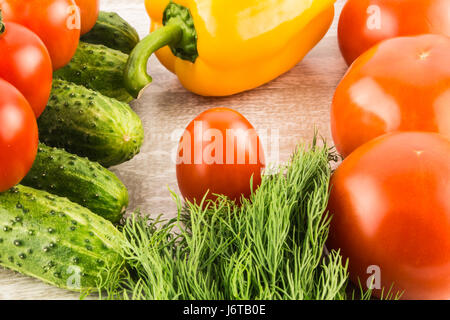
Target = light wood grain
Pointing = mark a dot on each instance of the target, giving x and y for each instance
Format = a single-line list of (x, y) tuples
[(294, 105)]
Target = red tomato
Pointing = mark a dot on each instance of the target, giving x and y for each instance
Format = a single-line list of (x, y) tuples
[(26, 64), (391, 213), (402, 84), (364, 23), (56, 22), (18, 136), (219, 152), (89, 10)]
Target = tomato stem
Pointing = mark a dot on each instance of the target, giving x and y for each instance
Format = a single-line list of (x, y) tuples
[(2, 26)]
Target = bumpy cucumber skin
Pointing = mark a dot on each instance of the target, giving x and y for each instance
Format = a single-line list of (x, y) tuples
[(98, 68), (54, 239), (89, 124), (80, 180), (114, 32)]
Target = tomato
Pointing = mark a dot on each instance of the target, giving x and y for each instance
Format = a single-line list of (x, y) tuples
[(391, 214), (402, 84), (89, 10), (26, 64), (56, 22), (364, 23), (219, 153), (18, 136)]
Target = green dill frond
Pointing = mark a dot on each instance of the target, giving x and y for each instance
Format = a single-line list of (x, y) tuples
[(272, 246)]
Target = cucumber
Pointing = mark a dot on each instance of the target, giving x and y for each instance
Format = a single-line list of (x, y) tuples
[(89, 124), (99, 68), (54, 239), (80, 180), (114, 32)]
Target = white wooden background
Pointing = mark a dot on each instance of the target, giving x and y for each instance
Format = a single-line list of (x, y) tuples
[(294, 105)]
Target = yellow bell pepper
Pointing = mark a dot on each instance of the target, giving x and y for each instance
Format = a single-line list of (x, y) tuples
[(223, 47)]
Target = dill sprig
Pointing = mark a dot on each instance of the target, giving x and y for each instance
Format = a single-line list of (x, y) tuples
[(271, 246)]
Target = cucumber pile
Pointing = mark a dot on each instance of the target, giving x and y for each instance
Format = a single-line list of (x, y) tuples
[(113, 32), (57, 225), (89, 124), (80, 180), (54, 239), (99, 68)]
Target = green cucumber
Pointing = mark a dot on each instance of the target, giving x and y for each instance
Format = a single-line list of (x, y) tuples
[(89, 124), (114, 32), (99, 68), (54, 239), (80, 180)]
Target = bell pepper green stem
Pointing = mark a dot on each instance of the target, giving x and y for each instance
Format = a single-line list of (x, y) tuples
[(136, 76)]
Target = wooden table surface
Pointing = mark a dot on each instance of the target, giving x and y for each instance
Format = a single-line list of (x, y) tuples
[(287, 110)]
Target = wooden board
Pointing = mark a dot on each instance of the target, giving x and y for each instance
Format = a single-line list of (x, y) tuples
[(290, 107)]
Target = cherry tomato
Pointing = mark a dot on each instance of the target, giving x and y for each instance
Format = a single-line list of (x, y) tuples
[(364, 23), (26, 64), (219, 153), (18, 136), (391, 214), (402, 84), (56, 22), (89, 10)]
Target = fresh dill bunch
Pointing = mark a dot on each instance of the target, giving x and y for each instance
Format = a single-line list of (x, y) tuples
[(271, 246)]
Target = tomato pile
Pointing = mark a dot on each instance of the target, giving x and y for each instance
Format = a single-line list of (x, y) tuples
[(34, 78), (36, 37), (400, 84), (364, 23), (390, 206), (390, 120), (18, 136), (89, 10), (219, 154)]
